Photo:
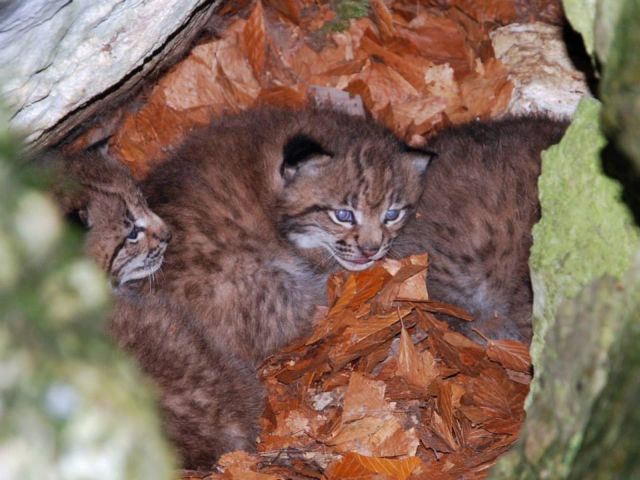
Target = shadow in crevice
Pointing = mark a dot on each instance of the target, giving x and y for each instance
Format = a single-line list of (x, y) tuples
[(619, 167), (579, 57)]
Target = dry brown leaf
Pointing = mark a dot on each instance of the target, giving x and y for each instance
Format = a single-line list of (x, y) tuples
[(439, 307), (519, 377), (375, 436), (333, 324), (347, 291), (293, 97), (511, 354), (235, 473), (445, 404), (370, 283), (487, 90), (383, 19), (408, 283), (354, 466), (238, 459), (500, 11), (363, 397), (440, 40), (255, 39), (444, 431), (289, 8), (417, 368), (412, 68)]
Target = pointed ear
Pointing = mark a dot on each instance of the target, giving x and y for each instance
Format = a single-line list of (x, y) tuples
[(83, 215), (420, 157), (297, 152)]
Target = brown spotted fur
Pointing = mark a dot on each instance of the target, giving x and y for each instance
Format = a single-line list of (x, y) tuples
[(253, 234), (210, 400), (475, 218)]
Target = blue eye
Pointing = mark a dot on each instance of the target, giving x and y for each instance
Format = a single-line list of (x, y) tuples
[(133, 234), (391, 215), (344, 215)]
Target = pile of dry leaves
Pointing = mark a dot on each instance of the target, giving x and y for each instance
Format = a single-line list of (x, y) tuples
[(384, 390)]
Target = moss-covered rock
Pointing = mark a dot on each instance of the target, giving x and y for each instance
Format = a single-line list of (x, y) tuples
[(71, 407), (586, 303), (620, 87)]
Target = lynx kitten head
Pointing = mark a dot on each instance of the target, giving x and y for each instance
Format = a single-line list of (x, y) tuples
[(127, 245), (349, 198)]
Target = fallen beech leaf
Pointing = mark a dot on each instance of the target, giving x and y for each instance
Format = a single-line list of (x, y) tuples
[(333, 324), (440, 307), (440, 40), (238, 459), (409, 283), (370, 282), (347, 292), (501, 11), (294, 97), (363, 397), (445, 404), (354, 466), (487, 90), (417, 368), (511, 354), (383, 19), (375, 436), (255, 39), (519, 377), (235, 473), (444, 431), (288, 8), (411, 71)]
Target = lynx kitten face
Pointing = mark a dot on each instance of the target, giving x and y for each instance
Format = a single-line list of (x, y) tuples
[(125, 237), (127, 246), (350, 200)]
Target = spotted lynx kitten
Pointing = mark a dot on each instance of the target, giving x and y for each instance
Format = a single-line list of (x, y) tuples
[(264, 204), (210, 401), (475, 217)]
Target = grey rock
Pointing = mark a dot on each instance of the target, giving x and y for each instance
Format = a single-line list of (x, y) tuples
[(62, 61), (544, 78)]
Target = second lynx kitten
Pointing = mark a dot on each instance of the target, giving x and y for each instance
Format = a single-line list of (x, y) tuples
[(209, 399), (475, 218)]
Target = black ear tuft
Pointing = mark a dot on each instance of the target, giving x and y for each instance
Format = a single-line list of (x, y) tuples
[(421, 157), (420, 151), (298, 149), (79, 218)]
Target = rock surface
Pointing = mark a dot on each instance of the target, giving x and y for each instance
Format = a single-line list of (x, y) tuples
[(543, 75), (62, 61), (586, 280)]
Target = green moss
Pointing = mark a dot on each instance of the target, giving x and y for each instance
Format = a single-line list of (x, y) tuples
[(585, 286), (586, 230), (620, 88), (345, 11)]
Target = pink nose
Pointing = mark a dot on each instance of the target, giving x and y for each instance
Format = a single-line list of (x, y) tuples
[(369, 251)]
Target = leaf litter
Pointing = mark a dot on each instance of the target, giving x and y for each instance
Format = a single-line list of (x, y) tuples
[(414, 66), (382, 389)]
